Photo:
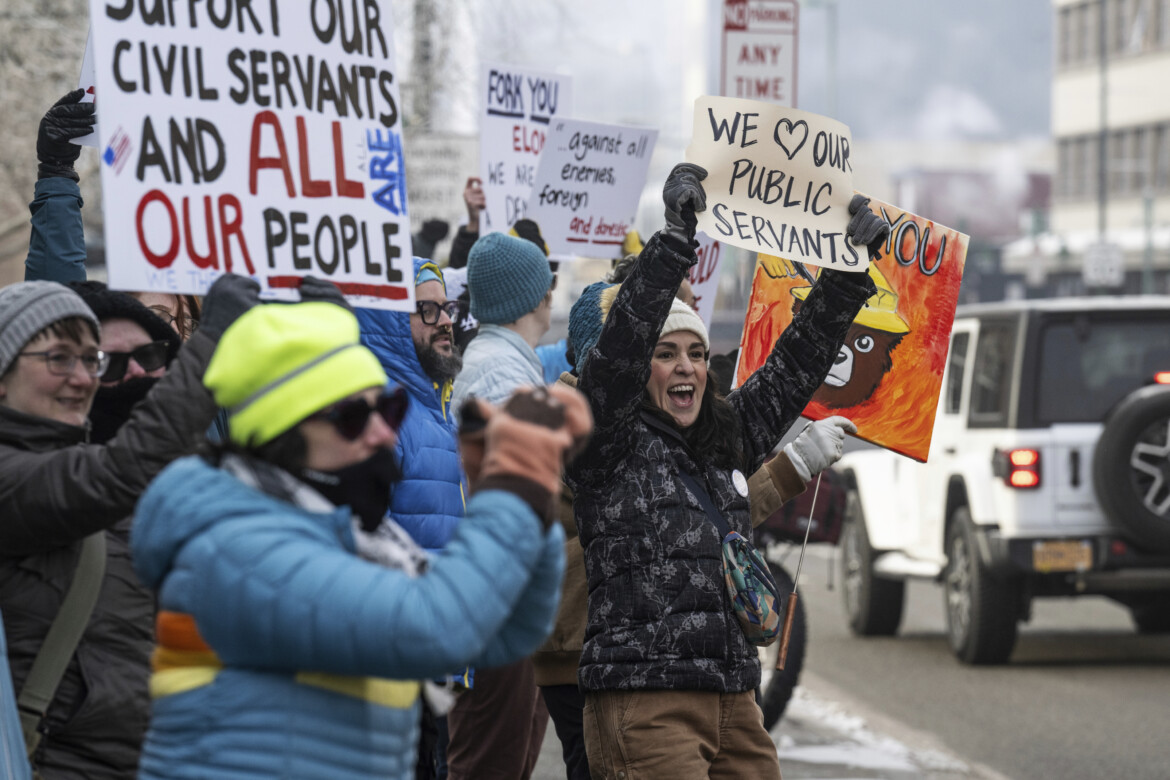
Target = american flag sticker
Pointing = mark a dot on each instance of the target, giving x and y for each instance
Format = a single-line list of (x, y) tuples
[(118, 151)]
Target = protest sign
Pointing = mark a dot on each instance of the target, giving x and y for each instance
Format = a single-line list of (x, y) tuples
[(888, 373), (437, 168), (704, 276), (518, 105), (261, 139), (585, 194), (759, 50), (778, 180)]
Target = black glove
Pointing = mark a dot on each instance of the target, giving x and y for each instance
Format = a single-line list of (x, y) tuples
[(67, 119), (314, 289), (434, 230), (866, 227), (228, 298), (683, 195)]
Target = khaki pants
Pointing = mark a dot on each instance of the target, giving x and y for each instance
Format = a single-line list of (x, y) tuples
[(630, 735)]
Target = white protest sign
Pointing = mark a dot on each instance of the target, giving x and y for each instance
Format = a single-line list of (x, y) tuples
[(437, 168), (759, 50), (586, 192), (704, 276), (88, 81), (518, 105), (779, 181), (262, 139)]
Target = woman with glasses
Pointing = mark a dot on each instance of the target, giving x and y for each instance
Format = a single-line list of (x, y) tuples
[(294, 622), (60, 495)]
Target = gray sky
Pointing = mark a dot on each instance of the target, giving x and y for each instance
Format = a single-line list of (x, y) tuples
[(908, 69)]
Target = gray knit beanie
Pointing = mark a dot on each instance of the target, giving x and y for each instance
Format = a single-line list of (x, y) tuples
[(507, 278), (27, 308)]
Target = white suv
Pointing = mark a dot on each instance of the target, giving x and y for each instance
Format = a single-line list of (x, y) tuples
[(1048, 475)]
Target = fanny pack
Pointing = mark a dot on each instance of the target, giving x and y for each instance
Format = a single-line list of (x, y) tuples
[(755, 599)]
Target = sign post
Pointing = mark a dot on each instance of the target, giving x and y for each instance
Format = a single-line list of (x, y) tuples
[(759, 50)]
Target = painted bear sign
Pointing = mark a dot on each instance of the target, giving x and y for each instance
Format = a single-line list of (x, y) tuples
[(888, 373)]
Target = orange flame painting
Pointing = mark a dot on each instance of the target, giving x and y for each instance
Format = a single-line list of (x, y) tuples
[(888, 373)]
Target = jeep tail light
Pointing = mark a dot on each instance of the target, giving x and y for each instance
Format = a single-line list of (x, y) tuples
[(1162, 377), (1018, 468)]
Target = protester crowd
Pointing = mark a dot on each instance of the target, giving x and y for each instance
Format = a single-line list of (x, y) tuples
[(246, 539)]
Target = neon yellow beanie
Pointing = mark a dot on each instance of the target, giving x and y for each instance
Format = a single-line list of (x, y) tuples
[(279, 363)]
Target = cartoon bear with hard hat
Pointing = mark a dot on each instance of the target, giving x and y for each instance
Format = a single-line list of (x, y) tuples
[(867, 354)]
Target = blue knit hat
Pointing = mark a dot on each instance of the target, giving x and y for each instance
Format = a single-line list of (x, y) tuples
[(586, 318), (507, 278)]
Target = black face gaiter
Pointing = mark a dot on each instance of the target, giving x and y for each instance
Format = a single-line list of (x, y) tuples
[(112, 407), (364, 487)]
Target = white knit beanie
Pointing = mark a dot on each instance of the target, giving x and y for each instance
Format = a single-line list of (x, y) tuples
[(683, 317)]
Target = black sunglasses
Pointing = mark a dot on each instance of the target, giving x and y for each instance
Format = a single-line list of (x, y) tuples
[(150, 356), (429, 310), (351, 417)]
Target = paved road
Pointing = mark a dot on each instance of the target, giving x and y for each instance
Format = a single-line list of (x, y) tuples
[(1083, 697)]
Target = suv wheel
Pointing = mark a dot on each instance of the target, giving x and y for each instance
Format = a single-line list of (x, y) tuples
[(1131, 467), (981, 609), (783, 681), (873, 605)]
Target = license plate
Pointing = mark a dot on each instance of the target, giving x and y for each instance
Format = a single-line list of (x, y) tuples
[(1073, 555)]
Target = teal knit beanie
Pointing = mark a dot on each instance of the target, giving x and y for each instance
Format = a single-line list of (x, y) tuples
[(586, 318), (507, 278)]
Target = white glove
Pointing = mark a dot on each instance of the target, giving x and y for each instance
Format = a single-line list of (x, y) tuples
[(819, 445)]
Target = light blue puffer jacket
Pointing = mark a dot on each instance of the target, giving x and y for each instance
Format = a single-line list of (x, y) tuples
[(428, 502), (300, 623), (13, 763)]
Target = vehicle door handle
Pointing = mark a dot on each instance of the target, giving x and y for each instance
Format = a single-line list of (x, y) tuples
[(1074, 467)]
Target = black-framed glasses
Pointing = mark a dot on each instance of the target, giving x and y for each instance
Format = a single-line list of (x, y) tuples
[(61, 363), (350, 417), (184, 324), (429, 310), (553, 286), (150, 356)]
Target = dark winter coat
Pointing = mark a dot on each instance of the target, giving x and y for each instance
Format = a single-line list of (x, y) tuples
[(659, 615), (55, 490)]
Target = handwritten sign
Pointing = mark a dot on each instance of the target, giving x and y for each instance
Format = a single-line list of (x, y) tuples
[(704, 276), (258, 138), (759, 50), (586, 191), (778, 180), (519, 104), (888, 373)]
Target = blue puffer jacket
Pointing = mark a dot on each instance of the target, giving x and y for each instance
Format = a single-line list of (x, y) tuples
[(428, 502), (289, 627)]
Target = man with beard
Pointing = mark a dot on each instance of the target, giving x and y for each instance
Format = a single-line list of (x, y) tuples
[(418, 352)]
